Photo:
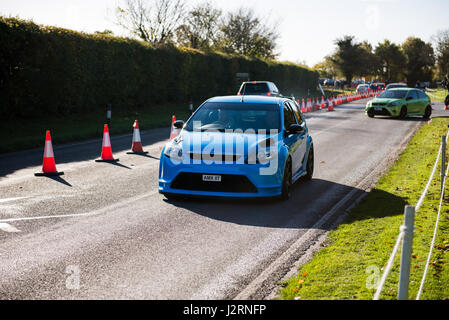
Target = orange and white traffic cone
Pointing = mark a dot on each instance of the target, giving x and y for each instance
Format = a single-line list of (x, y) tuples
[(106, 151), (48, 166), (323, 103), (173, 131), (136, 146), (331, 104), (303, 108)]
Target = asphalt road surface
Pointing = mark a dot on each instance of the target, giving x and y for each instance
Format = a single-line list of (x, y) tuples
[(102, 230)]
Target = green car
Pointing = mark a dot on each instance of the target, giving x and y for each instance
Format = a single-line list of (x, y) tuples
[(400, 102)]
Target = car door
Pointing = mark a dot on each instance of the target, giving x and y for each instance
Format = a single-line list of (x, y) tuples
[(412, 101), (423, 101), (295, 142)]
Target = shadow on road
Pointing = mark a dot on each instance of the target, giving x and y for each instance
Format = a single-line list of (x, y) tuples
[(88, 150), (309, 200)]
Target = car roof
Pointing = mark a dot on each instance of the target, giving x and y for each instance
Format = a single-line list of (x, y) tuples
[(249, 99), (402, 88), (256, 81)]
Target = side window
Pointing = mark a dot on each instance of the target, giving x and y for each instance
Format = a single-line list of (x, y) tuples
[(289, 116), (413, 94), (275, 89), (421, 95), (297, 112)]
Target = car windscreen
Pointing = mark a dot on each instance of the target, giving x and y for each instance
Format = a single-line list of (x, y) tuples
[(255, 88), (221, 116), (393, 94)]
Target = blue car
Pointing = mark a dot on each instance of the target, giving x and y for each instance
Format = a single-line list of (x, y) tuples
[(238, 146)]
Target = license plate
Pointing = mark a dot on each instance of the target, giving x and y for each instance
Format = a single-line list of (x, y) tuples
[(211, 177), (378, 109)]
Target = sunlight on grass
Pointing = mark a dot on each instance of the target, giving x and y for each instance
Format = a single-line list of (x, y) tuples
[(343, 270)]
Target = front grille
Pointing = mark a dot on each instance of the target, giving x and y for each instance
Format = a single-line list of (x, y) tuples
[(229, 183), (221, 157), (382, 112), (379, 103)]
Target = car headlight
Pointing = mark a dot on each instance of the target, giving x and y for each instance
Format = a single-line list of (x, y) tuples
[(264, 156), (173, 150), (393, 104), (369, 104)]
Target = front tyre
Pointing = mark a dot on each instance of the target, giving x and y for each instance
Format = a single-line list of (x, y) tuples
[(310, 164), (427, 112), (403, 113), (370, 113), (287, 181)]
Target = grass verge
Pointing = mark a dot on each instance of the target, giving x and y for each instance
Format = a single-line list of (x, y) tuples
[(16, 135), (437, 95), (359, 248)]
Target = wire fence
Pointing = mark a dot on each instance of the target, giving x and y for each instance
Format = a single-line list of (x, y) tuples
[(407, 230)]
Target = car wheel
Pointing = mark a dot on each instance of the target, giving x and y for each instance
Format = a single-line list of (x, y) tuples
[(370, 113), (310, 165), (403, 112), (427, 112), (287, 181)]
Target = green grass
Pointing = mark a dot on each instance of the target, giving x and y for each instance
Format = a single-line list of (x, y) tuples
[(20, 134), (342, 270), (438, 95)]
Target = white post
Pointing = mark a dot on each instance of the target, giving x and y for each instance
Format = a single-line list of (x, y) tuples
[(407, 246), (443, 160)]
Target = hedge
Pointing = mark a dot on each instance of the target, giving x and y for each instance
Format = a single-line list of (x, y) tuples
[(49, 70)]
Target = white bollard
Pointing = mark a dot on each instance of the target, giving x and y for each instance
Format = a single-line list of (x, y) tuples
[(406, 254)]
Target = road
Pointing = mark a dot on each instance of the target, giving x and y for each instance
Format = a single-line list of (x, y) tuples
[(102, 231)]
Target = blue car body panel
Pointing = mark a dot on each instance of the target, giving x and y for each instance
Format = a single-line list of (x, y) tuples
[(238, 173)]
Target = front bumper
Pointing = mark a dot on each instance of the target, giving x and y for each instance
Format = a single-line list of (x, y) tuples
[(384, 110), (238, 180)]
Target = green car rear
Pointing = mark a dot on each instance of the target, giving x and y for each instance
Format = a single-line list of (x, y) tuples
[(400, 102)]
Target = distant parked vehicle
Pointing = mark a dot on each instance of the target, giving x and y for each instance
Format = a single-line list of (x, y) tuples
[(259, 88), (362, 88), (396, 85), (377, 86), (329, 82)]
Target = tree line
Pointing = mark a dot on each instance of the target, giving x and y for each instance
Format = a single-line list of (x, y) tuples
[(412, 61), (202, 27)]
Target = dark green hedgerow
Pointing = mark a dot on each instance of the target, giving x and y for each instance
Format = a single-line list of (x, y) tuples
[(54, 71)]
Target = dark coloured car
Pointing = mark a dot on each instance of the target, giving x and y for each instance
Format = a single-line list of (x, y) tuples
[(259, 88)]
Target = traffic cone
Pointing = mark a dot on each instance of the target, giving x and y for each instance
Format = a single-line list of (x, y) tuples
[(331, 104), (136, 146), (446, 108), (323, 103), (106, 151), (303, 108), (173, 131), (48, 166)]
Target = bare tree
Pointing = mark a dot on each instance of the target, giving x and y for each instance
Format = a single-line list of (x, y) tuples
[(153, 21), (200, 28)]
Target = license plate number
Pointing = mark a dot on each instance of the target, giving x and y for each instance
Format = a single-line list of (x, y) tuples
[(211, 177)]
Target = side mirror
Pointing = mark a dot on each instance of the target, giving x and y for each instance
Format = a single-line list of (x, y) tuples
[(178, 124), (294, 128)]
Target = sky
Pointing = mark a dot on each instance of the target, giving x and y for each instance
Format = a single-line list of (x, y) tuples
[(307, 29)]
